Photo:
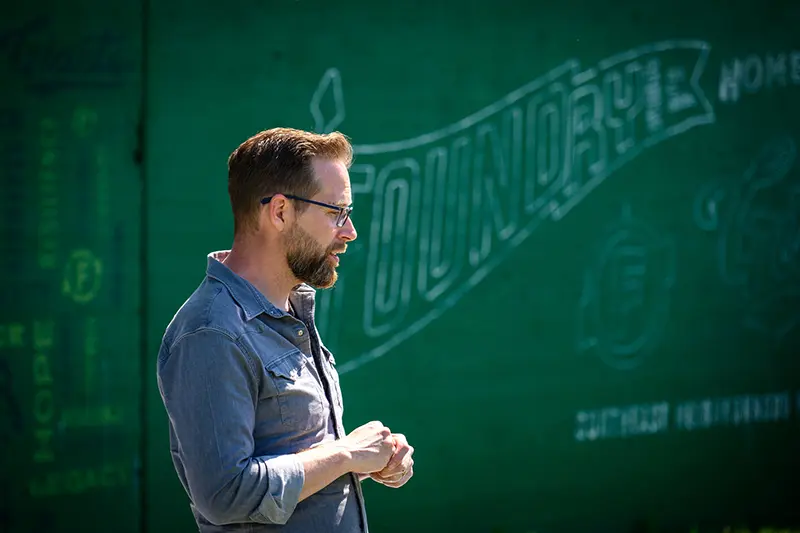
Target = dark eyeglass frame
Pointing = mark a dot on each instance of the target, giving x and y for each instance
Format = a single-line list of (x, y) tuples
[(341, 218)]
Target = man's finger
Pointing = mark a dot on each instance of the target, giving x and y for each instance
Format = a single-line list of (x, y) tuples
[(400, 443), (399, 439), (396, 461), (399, 472), (385, 475), (399, 482)]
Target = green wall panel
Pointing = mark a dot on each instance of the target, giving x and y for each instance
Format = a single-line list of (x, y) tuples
[(70, 321), (575, 287)]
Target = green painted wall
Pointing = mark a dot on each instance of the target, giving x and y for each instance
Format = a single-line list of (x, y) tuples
[(576, 286), (70, 323), (575, 281)]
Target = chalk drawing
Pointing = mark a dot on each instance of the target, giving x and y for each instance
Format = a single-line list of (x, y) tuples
[(331, 83), (753, 74), (626, 294), (82, 276), (446, 207), (757, 222)]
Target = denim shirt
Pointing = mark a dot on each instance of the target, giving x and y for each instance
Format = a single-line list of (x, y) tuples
[(247, 385)]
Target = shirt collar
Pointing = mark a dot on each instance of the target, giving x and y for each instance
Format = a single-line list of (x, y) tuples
[(250, 299)]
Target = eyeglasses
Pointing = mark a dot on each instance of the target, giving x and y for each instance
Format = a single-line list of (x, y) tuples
[(341, 218)]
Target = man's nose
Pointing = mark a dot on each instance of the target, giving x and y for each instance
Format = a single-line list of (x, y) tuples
[(348, 231)]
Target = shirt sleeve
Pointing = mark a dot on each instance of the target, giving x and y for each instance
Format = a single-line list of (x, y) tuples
[(209, 386)]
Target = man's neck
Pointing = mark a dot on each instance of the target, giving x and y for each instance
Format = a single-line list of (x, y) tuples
[(265, 267)]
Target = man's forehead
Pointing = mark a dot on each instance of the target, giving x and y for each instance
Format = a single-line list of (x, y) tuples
[(333, 179)]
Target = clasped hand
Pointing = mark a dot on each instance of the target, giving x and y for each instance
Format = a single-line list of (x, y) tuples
[(400, 467), (380, 454)]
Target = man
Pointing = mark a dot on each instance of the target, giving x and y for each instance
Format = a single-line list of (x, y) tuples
[(252, 393)]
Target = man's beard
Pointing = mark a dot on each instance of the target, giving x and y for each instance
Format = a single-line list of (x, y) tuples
[(309, 261)]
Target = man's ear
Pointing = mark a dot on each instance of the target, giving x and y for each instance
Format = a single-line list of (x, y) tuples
[(278, 212)]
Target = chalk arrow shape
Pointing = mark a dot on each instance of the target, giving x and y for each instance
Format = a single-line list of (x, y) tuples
[(329, 87)]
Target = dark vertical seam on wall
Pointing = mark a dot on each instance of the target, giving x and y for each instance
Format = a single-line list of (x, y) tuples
[(144, 369)]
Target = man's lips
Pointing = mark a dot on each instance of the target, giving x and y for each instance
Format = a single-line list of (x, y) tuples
[(335, 254)]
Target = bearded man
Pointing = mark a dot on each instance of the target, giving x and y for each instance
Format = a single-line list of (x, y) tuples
[(250, 390)]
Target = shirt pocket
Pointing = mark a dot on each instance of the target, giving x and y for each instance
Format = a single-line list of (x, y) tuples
[(298, 393)]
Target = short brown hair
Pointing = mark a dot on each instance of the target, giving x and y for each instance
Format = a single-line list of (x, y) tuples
[(276, 161)]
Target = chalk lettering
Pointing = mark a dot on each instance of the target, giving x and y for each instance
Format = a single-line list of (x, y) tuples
[(79, 480), (546, 141), (43, 334), (43, 406), (729, 81), (732, 411), (678, 99), (776, 71), (691, 415), (47, 196), (449, 205), (43, 400), (653, 96), (12, 335), (621, 422), (44, 446), (96, 416), (41, 369), (624, 103), (754, 73), (588, 153), (16, 334)]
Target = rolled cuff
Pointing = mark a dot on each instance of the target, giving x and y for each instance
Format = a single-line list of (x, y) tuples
[(286, 478)]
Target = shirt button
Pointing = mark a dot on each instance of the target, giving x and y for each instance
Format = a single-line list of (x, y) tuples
[(299, 332)]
